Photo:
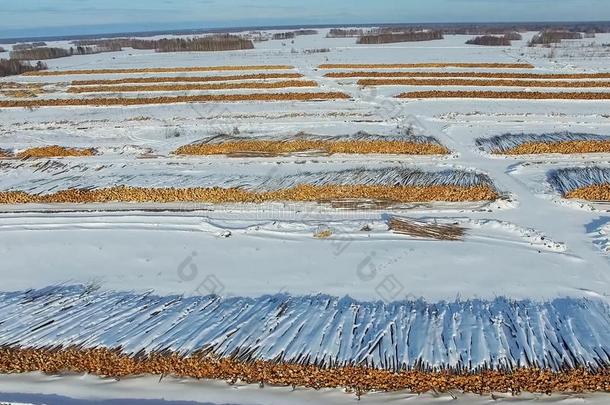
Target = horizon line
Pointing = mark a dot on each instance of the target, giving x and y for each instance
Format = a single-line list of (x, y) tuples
[(229, 28)]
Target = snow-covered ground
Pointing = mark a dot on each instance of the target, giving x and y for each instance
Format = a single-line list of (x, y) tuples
[(530, 245), (50, 390), (38, 389)]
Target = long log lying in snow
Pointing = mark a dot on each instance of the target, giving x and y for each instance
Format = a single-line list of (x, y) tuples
[(485, 75), (484, 83), (188, 79), (201, 98), (478, 346), (583, 183), (514, 95), (303, 193), (394, 185), (563, 143), (157, 70), (426, 65), (360, 143), (359, 380), (193, 87)]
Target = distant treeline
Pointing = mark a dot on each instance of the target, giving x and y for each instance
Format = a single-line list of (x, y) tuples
[(408, 36), (345, 33), (359, 32), (477, 31), (292, 34), (553, 37), (21, 47), (283, 35), (490, 40), (513, 36), (10, 67), (504, 28), (305, 32), (590, 28), (54, 53), (257, 36), (511, 31), (204, 44), (119, 43), (221, 42)]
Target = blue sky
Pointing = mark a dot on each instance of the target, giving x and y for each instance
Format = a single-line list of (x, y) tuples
[(59, 17)]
